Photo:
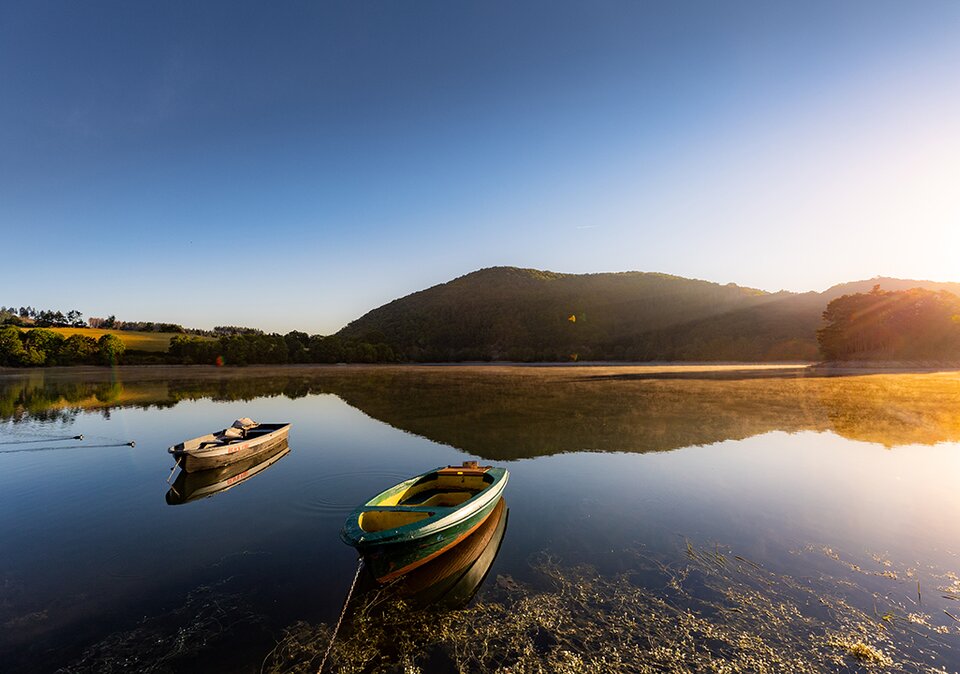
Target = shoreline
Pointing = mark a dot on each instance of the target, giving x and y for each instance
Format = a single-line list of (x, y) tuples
[(618, 370)]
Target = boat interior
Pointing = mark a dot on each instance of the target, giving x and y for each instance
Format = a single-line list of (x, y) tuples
[(230, 435), (444, 489)]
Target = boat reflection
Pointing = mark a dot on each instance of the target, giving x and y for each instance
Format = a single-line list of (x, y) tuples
[(451, 579), (201, 484)]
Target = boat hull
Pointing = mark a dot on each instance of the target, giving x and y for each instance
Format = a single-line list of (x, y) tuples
[(453, 578), (192, 486), (197, 459), (387, 561), (419, 519)]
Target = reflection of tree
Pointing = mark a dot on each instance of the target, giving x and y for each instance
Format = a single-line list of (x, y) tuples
[(108, 393), (894, 410), (511, 413), (535, 413)]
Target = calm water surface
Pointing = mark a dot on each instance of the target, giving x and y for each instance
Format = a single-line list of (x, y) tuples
[(691, 487)]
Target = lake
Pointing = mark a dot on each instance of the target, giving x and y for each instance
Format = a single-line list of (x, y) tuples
[(657, 519)]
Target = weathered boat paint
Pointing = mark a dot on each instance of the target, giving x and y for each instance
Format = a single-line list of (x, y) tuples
[(204, 483), (390, 552), (206, 452)]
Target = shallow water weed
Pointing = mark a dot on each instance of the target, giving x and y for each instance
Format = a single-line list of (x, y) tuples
[(706, 617), (863, 652)]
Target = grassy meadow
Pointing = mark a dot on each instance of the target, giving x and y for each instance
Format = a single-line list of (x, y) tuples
[(138, 341)]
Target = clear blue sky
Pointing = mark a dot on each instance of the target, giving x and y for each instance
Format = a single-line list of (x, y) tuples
[(295, 164)]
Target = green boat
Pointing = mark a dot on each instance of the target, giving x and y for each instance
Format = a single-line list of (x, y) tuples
[(413, 522), (451, 580)]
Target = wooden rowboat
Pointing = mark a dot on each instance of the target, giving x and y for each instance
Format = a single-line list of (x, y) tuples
[(449, 580), (205, 483), (419, 519), (237, 443)]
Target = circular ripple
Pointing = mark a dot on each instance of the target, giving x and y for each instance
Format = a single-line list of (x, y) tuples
[(339, 493)]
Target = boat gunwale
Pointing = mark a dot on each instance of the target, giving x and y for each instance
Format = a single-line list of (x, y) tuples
[(443, 517), (181, 449)]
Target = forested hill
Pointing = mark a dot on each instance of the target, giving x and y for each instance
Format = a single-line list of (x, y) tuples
[(505, 313)]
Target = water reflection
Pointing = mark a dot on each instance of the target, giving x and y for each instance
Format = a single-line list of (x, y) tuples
[(781, 552), (451, 579), (511, 413), (205, 483)]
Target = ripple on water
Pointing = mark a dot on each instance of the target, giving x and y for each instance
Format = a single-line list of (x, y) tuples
[(339, 493)]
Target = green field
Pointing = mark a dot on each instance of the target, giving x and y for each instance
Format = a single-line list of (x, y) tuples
[(139, 341)]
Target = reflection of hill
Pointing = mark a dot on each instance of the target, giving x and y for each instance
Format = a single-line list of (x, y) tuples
[(517, 417), (504, 413), (542, 412)]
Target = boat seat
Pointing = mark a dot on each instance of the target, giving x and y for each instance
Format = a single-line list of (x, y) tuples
[(441, 497), (218, 442), (407, 509), (380, 518)]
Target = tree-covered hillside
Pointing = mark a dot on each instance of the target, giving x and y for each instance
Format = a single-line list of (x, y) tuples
[(506, 313)]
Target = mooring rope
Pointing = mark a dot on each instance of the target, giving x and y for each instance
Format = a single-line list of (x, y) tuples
[(343, 612)]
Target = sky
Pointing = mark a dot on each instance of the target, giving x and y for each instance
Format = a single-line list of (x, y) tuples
[(294, 165)]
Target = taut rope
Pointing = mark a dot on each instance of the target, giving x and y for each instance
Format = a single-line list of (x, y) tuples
[(343, 612)]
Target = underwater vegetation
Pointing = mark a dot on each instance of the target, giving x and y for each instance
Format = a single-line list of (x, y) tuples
[(715, 612)]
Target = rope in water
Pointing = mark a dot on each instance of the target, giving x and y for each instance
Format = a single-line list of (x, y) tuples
[(343, 612)]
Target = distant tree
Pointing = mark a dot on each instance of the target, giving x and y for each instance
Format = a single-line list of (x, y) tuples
[(12, 352), (892, 325), (75, 319), (43, 346), (385, 354), (79, 350), (235, 330), (325, 349), (298, 344), (109, 322), (364, 353), (110, 349), (192, 350)]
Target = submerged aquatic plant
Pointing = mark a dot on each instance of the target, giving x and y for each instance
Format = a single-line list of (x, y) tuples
[(713, 613)]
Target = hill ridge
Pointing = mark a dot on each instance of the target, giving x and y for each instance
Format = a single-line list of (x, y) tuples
[(525, 314)]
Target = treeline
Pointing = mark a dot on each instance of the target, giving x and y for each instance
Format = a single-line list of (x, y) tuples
[(43, 348), (295, 347), (111, 323), (39, 347), (912, 324), (50, 318), (43, 318)]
